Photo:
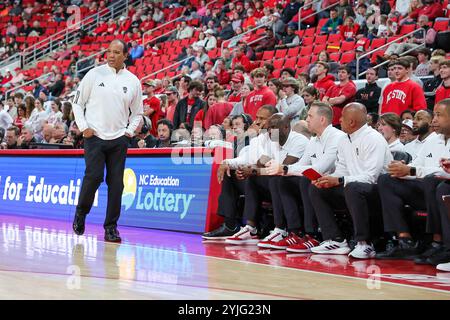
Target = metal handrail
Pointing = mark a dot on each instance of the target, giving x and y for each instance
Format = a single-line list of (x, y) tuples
[(387, 45), (7, 92), (244, 33)]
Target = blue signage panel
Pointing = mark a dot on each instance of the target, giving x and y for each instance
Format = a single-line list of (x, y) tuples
[(158, 193)]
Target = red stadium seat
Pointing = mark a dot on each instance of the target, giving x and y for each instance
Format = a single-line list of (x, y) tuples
[(320, 39), (335, 56), (278, 64), (334, 39), (281, 53), (319, 48), (306, 51), (441, 25), (293, 52), (268, 55), (290, 62), (347, 57), (310, 32), (378, 42), (407, 28), (347, 46), (303, 61)]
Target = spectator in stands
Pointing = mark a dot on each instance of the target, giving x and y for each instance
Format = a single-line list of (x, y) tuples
[(218, 111), (26, 138), (165, 129), (324, 81), (369, 95), (11, 29), (411, 16), (413, 62), (323, 56), (25, 29), (250, 21), (57, 88), (291, 104), (375, 10), (418, 193), (11, 107), (290, 10), (432, 9), (55, 114), (239, 107), (339, 95), (201, 56), (158, 15), (423, 68), (406, 134), (37, 118), (307, 14), (60, 132), (221, 72), (267, 43), (11, 137), (333, 23), (443, 91), (289, 40), (407, 115), (137, 51), (184, 31), (195, 72), (364, 62), (143, 138), (239, 58), (372, 120), (36, 30), (152, 106), (261, 96), (390, 127), (210, 100), (422, 128), (349, 30), (275, 86), (188, 107), (210, 41), (361, 16), (226, 31), (172, 101), (353, 183), (403, 93), (430, 85), (37, 88), (277, 24), (47, 133), (237, 81), (309, 94)]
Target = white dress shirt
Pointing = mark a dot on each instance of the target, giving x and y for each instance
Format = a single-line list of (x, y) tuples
[(362, 156), (427, 160), (5, 119), (414, 147), (320, 153), (108, 102), (249, 155)]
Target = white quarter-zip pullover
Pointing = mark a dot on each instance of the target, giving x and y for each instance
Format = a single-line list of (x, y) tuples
[(320, 153), (414, 147), (108, 102), (362, 156)]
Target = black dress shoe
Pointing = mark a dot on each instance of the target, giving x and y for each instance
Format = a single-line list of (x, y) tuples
[(78, 223), (112, 235), (404, 249), (433, 250), (220, 233)]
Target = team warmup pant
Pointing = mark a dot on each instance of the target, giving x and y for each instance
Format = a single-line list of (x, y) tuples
[(97, 154), (419, 194), (361, 200)]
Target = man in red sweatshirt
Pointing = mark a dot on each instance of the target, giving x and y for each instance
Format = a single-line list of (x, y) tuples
[(241, 58), (404, 93), (443, 91), (324, 80), (261, 96), (340, 94)]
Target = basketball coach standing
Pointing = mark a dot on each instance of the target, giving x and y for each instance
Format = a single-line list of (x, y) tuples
[(107, 109)]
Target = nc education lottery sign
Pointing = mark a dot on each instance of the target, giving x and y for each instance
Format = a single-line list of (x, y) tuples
[(158, 193)]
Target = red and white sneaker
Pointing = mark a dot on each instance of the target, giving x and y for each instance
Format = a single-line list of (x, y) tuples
[(274, 236), (286, 242), (304, 246), (247, 235)]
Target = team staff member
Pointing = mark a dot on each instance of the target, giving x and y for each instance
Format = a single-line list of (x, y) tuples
[(107, 108)]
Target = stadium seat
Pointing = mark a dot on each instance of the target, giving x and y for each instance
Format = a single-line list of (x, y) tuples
[(306, 51), (441, 25), (290, 62), (278, 64), (377, 42), (319, 48), (347, 46), (280, 53), (347, 57), (268, 55), (303, 61), (293, 52)]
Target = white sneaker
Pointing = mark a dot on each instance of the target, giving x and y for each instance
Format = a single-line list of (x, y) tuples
[(444, 267), (332, 247), (363, 251), (275, 235), (247, 235)]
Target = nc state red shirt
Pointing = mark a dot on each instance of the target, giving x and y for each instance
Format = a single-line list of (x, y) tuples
[(258, 98), (400, 96)]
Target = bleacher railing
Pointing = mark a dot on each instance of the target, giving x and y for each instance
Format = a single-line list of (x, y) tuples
[(71, 33), (311, 15), (421, 45)]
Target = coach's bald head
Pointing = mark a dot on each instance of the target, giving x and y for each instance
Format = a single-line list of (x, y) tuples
[(354, 116)]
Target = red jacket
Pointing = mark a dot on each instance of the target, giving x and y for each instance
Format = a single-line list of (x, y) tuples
[(442, 93), (217, 113), (242, 60), (401, 96), (432, 11), (348, 90), (348, 32), (154, 104)]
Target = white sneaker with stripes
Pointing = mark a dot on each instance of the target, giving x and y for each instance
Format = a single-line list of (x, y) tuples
[(274, 236), (332, 247), (363, 251), (247, 235), (444, 267)]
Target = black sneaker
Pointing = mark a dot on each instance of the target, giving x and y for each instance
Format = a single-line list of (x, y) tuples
[(405, 249), (442, 257), (433, 249), (220, 233)]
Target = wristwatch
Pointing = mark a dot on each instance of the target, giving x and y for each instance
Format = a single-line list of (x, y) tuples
[(285, 170), (341, 181), (412, 171)]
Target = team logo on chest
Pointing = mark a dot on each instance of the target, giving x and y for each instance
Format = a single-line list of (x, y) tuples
[(125, 89)]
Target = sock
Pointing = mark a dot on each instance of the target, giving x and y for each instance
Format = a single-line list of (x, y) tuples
[(338, 239)]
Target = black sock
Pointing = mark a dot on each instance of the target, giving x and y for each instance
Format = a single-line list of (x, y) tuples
[(338, 239)]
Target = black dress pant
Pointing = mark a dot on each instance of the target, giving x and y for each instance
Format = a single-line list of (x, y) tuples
[(232, 189), (297, 207), (443, 189), (257, 189), (97, 154), (359, 198), (419, 194)]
